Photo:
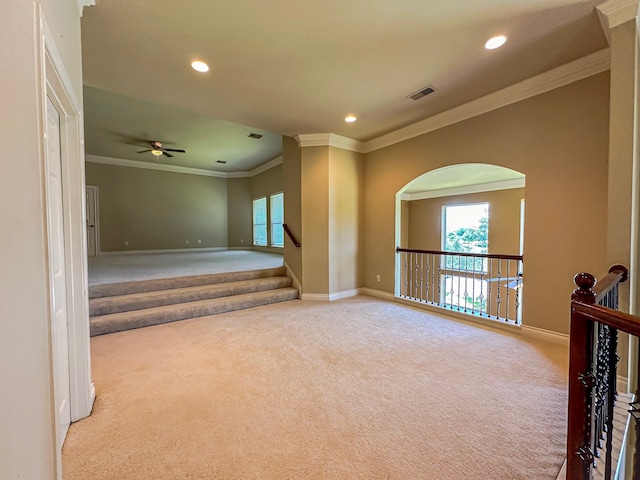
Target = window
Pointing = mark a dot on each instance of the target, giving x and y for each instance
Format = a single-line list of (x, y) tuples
[(465, 228), (260, 222), (276, 213)]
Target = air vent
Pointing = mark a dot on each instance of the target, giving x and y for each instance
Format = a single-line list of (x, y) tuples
[(221, 161), (257, 136), (421, 93)]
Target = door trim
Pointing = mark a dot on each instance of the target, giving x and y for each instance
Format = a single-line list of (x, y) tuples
[(56, 84)]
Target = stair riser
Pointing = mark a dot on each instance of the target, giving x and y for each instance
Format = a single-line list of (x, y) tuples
[(182, 312), (126, 288), (107, 305)]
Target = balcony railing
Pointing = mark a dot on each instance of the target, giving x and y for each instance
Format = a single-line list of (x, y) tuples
[(479, 284), (592, 448)]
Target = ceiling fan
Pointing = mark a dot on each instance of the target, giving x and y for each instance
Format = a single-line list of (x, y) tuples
[(157, 149)]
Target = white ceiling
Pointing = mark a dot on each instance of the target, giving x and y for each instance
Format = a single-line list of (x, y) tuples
[(299, 66), (462, 175)]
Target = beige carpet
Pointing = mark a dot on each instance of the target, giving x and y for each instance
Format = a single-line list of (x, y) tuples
[(355, 389), (145, 266)]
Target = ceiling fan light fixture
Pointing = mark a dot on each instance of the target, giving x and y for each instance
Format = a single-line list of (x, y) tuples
[(157, 153), (495, 42), (200, 66)]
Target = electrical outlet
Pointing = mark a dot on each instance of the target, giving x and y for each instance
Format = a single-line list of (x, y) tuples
[(187, 242), (126, 243), (377, 278), (199, 241), (242, 241)]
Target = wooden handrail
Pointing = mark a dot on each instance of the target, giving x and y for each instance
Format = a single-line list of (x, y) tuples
[(293, 239), (624, 322), (461, 254), (617, 274)]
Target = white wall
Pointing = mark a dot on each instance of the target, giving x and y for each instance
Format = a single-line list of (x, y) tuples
[(27, 438)]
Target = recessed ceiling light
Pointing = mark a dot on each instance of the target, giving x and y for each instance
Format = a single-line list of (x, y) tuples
[(350, 118), (495, 42), (200, 66)]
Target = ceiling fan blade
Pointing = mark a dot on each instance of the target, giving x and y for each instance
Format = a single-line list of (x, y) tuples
[(144, 151), (174, 150), (168, 155)]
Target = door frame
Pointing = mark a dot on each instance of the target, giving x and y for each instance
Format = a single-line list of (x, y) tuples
[(55, 83), (96, 222)]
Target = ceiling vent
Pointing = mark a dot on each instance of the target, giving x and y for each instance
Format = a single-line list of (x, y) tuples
[(221, 161), (421, 93), (257, 136)]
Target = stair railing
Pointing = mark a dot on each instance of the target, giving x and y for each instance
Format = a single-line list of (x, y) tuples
[(595, 322), (293, 239), (479, 284)]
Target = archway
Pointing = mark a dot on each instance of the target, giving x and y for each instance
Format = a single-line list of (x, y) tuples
[(477, 211)]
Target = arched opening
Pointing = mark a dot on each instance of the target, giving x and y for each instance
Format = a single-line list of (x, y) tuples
[(460, 237)]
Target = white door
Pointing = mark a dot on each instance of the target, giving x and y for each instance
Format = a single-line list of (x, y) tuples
[(92, 220), (57, 273)]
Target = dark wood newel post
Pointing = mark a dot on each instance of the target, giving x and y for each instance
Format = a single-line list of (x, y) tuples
[(581, 382)]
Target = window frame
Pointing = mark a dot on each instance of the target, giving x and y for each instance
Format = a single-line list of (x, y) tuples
[(273, 224), (255, 224)]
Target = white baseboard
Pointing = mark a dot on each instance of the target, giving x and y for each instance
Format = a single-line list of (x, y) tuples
[(563, 471), (372, 292), (166, 250), (294, 280), (330, 297), (92, 397), (316, 297), (545, 335)]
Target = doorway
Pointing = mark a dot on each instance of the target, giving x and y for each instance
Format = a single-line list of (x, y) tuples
[(93, 238)]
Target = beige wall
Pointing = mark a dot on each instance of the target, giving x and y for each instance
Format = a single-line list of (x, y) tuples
[(240, 214), (27, 441), (153, 209), (315, 219), (263, 185), (291, 172), (559, 140), (345, 219), (425, 220)]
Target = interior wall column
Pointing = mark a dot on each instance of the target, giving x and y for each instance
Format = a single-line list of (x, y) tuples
[(331, 201), (620, 23)]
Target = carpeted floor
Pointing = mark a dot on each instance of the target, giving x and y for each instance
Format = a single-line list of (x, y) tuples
[(354, 389), (129, 267)]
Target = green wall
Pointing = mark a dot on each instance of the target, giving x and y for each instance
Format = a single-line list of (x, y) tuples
[(155, 210)]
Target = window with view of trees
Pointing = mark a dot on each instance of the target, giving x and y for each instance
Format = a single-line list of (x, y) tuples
[(465, 229)]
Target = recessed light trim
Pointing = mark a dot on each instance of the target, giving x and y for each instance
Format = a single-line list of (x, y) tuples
[(350, 118), (200, 66), (495, 42)]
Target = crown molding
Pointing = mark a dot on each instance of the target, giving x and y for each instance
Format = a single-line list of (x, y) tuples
[(584, 67), (121, 162), (616, 12), (465, 190), (84, 3), (331, 140), (259, 169)]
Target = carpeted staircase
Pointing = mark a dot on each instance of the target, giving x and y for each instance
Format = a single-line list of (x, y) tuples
[(122, 306)]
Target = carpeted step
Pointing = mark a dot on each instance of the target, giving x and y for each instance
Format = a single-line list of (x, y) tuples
[(116, 322), (125, 288), (138, 301)]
